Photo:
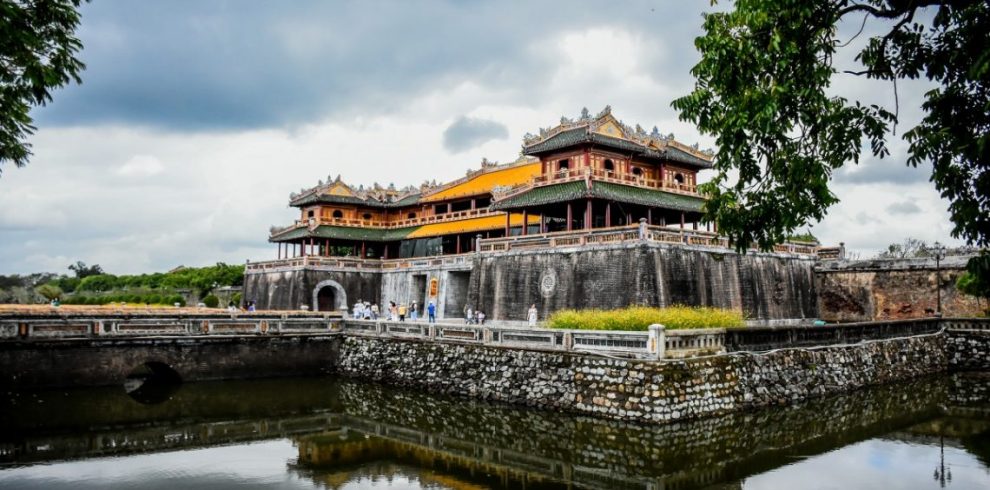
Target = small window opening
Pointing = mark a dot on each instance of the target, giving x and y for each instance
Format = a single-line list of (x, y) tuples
[(337, 214), (679, 178), (367, 216), (638, 172), (411, 216), (564, 164), (609, 166)]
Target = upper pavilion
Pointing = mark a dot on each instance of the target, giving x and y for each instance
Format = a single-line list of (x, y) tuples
[(588, 173)]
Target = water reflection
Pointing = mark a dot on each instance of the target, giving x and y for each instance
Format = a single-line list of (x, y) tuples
[(329, 433)]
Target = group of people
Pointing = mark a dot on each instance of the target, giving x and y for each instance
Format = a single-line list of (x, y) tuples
[(473, 317), (364, 310)]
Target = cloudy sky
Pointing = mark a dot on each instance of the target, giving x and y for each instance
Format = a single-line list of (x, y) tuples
[(197, 118)]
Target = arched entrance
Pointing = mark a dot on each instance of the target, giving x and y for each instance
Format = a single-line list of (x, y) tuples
[(329, 296)]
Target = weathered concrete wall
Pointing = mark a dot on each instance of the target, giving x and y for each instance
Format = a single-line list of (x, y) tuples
[(868, 290), (640, 390), (764, 286), (287, 290), (95, 362)]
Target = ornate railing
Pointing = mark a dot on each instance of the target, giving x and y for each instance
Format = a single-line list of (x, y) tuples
[(656, 343), (571, 175), (109, 325)]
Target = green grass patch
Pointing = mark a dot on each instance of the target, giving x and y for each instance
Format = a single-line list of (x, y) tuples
[(637, 318)]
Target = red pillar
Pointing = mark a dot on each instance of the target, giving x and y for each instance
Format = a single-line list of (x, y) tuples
[(364, 253), (649, 216), (629, 219), (608, 214), (508, 222), (543, 224), (525, 224), (458, 244), (587, 215), (682, 221), (326, 249), (570, 215)]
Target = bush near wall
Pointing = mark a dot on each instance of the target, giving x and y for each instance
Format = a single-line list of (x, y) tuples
[(638, 318)]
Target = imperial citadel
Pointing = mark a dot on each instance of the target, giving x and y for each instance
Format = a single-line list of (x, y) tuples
[(594, 214)]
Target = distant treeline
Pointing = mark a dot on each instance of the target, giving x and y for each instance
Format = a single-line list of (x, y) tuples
[(91, 285)]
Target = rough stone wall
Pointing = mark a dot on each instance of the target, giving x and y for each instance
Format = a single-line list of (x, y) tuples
[(880, 290), (639, 390), (968, 350), (763, 286), (287, 290), (39, 364)]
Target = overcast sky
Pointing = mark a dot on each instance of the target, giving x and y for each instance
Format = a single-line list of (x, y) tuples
[(197, 118)]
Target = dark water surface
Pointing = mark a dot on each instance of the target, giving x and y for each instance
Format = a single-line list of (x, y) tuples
[(330, 433)]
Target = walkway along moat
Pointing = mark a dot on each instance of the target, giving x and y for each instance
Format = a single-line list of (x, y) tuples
[(650, 377)]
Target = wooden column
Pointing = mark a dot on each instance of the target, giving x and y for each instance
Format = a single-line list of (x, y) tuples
[(364, 249), (694, 225), (326, 250), (682, 220), (525, 223), (279, 250), (543, 223), (587, 215), (458, 247), (570, 215), (608, 214), (629, 219), (474, 204), (385, 254), (715, 226), (663, 220), (508, 222), (312, 245), (649, 216), (450, 207)]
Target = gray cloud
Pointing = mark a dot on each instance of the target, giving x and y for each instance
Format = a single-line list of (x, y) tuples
[(889, 170), (468, 132), (193, 65), (904, 207)]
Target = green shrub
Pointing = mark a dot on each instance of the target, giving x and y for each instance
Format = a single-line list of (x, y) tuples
[(236, 299), (211, 301), (175, 298), (153, 299), (641, 317)]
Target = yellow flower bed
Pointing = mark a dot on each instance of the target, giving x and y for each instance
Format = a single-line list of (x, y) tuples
[(641, 317)]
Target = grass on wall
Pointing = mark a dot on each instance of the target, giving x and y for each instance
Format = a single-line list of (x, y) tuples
[(639, 318)]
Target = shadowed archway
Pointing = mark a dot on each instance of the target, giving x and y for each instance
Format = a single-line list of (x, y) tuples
[(329, 295)]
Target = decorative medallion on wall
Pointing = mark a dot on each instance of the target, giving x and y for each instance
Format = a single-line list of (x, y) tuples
[(548, 283)]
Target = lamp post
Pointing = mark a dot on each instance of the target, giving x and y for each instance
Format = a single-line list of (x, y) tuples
[(939, 255)]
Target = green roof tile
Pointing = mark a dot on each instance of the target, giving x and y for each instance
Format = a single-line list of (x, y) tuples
[(346, 233), (569, 191), (539, 196)]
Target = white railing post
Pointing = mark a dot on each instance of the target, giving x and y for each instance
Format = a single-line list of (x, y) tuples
[(657, 344)]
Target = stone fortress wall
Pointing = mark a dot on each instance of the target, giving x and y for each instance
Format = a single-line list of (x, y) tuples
[(766, 286), (865, 290)]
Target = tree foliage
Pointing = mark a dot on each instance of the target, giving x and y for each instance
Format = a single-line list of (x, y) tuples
[(38, 50), (82, 271), (49, 291), (762, 92)]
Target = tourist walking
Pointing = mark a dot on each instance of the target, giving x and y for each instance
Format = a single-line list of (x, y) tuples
[(374, 311), (431, 312), (468, 315), (532, 315), (481, 317), (414, 312), (402, 312), (393, 312)]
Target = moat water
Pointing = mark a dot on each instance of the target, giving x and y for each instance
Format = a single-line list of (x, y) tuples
[(327, 433)]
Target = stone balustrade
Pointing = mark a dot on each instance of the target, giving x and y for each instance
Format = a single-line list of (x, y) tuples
[(657, 343), (35, 327)]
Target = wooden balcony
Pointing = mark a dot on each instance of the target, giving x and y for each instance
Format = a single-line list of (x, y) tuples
[(566, 175)]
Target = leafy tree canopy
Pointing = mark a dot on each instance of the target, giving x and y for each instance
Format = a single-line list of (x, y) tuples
[(761, 91), (38, 49), (83, 271)]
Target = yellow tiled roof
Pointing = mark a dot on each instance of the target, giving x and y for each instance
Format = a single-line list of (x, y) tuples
[(469, 225), (483, 183)]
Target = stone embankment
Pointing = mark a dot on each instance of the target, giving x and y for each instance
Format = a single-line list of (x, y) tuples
[(651, 391)]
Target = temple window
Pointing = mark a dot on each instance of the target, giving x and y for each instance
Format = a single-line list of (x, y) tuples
[(638, 172), (679, 178), (310, 213), (337, 214), (440, 209), (367, 216), (609, 166), (411, 216), (564, 164)]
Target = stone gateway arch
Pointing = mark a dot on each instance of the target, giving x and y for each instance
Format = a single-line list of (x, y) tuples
[(329, 295)]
